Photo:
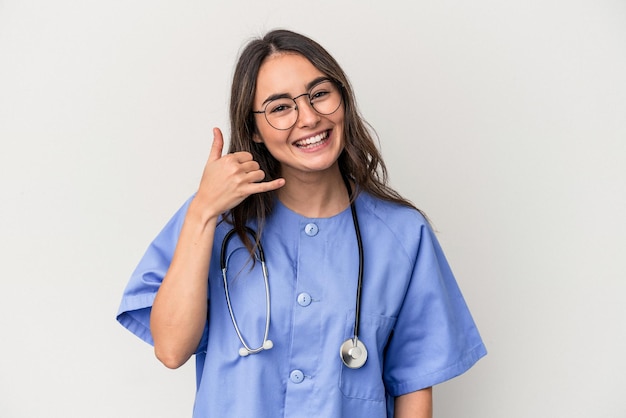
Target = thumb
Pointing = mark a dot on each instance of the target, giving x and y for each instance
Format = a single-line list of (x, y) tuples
[(217, 146)]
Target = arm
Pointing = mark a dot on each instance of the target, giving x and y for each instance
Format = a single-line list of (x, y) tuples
[(180, 307), (417, 404)]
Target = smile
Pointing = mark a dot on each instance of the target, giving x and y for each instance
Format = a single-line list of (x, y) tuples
[(313, 141)]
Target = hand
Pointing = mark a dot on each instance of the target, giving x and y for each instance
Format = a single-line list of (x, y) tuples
[(227, 180)]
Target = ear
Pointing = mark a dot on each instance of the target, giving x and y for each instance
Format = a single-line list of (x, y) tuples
[(257, 138)]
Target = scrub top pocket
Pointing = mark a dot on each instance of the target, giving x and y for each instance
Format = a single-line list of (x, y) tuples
[(366, 383)]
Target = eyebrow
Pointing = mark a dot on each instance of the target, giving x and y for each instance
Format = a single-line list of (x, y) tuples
[(309, 86)]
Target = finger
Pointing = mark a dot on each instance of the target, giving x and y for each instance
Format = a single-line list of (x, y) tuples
[(217, 146), (266, 186), (242, 156), (255, 176), (250, 166)]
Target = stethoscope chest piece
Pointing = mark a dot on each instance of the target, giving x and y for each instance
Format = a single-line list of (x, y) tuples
[(353, 353)]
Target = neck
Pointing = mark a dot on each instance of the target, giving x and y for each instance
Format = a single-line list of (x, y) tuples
[(315, 195)]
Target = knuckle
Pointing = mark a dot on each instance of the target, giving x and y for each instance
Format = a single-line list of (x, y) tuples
[(242, 156), (229, 157)]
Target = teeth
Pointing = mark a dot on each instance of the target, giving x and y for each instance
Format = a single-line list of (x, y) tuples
[(310, 142)]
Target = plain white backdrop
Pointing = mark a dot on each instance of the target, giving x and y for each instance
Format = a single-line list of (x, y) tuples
[(504, 120)]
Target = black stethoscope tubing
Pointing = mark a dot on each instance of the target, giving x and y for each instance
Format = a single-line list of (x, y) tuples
[(359, 285), (353, 352)]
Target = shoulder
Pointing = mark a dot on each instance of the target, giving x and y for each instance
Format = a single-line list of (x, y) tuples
[(388, 212), (391, 223)]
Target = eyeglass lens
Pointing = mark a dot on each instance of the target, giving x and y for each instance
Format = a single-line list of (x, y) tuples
[(324, 97)]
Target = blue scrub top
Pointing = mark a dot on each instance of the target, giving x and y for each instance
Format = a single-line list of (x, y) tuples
[(414, 320)]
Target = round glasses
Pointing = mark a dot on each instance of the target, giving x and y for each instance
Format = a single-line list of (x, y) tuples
[(282, 112)]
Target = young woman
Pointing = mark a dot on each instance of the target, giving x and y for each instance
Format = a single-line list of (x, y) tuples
[(328, 293)]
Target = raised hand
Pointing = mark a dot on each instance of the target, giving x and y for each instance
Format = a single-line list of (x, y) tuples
[(228, 179)]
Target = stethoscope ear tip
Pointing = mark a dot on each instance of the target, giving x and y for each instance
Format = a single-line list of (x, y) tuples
[(245, 352)]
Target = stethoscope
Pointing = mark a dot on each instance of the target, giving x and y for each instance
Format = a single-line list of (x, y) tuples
[(353, 352)]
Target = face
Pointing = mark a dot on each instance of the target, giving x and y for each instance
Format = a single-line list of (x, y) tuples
[(315, 141)]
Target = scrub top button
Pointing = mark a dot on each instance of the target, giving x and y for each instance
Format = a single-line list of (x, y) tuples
[(304, 299), (296, 376), (311, 229)]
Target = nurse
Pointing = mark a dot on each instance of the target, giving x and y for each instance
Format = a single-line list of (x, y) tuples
[(345, 258)]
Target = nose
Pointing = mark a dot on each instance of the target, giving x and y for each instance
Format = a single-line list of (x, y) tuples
[(307, 116)]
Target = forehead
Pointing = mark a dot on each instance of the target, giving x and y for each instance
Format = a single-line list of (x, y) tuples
[(285, 73)]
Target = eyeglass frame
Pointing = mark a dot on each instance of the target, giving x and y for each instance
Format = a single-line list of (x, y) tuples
[(323, 80)]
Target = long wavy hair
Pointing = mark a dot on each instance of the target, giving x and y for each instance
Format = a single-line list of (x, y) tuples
[(360, 160)]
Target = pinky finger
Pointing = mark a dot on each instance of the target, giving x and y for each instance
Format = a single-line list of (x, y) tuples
[(267, 186)]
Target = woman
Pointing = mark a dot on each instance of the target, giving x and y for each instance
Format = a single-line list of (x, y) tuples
[(359, 313)]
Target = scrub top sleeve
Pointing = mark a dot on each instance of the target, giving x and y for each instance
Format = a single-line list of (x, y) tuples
[(434, 338), (134, 310)]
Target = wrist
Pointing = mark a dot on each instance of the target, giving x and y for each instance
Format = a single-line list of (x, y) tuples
[(202, 213)]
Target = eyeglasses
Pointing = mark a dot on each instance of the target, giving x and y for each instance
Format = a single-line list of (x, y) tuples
[(282, 112)]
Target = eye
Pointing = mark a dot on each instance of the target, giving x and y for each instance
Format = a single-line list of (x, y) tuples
[(322, 91), (318, 94), (280, 106)]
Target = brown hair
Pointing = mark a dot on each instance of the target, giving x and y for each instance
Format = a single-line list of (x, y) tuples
[(360, 160)]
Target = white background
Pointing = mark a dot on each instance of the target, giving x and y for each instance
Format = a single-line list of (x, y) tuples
[(504, 120)]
